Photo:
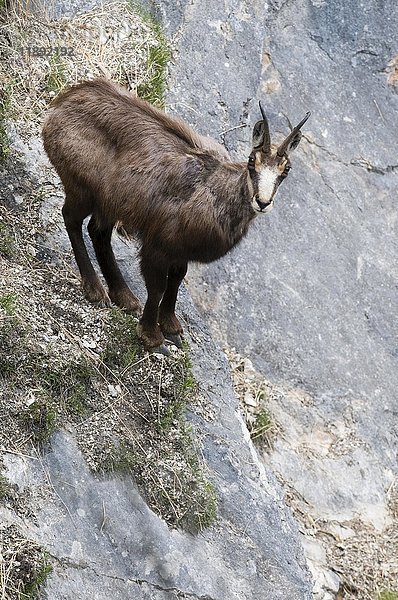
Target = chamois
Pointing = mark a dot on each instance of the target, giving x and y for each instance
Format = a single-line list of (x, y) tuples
[(128, 164)]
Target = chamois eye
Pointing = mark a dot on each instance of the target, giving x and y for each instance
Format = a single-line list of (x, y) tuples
[(286, 169), (251, 161)]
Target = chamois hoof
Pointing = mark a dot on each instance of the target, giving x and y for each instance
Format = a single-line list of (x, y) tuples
[(175, 339), (162, 349), (106, 303), (152, 340), (126, 300), (96, 294)]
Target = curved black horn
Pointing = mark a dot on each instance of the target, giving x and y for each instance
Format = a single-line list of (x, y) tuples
[(266, 146), (290, 138)]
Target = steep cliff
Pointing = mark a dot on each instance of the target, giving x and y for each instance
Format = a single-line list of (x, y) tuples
[(311, 294)]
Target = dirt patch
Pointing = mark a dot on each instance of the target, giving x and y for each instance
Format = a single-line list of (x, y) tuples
[(392, 71)]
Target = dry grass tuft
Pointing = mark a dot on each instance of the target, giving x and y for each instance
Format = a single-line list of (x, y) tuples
[(365, 560), (367, 563), (253, 392), (392, 71), (23, 565), (40, 56)]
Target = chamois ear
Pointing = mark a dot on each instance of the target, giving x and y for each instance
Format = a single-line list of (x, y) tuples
[(293, 139), (261, 137)]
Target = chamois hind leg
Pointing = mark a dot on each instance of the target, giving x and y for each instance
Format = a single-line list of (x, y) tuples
[(119, 292), (74, 211), (169, 324), (154, 271)]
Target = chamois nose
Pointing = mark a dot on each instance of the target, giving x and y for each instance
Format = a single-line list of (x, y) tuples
[(262, 207)]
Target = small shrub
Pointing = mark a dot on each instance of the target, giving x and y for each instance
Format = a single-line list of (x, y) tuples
[(7, 303), (32, 589), (12, 349), (6, 489), (153, 87), (7, 249), (121, 458), (262, 424), (388, 595), (56, 79), (40, 419), (5, 107), (24, 565), (68, 384)]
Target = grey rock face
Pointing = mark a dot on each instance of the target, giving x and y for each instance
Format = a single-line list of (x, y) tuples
[(312, 287), (216, 77), (311, 293)]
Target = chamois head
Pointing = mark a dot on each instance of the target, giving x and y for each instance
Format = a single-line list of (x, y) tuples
[(267, 166)]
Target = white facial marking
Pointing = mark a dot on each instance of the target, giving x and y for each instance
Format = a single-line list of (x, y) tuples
[(266, 184)]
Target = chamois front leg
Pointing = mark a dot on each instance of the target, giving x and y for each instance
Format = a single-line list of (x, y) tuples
[(169, 324), (74, 212), (154, 271), (119, 292)]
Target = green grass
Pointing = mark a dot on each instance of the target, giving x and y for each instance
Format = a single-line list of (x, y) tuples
[(120, 458), (174, 410), (158, 448), (5, 487), (123, 346), (388, 595), (61, 389), (40, 419), (67, 384), (12, 344), (56, 78), (59, 386), (200, 492), (188, 383), (165, 461), (7, 303), (5, 108), (31, 590), (262, 424), (153, 88), (200, 495), (7, 247)]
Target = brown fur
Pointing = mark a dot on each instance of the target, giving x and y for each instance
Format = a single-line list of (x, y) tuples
[(125, 162)]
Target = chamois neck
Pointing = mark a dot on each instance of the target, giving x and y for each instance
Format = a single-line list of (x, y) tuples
[(235, 211)]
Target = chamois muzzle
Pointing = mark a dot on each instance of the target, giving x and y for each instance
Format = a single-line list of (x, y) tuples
[(293, 138)]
